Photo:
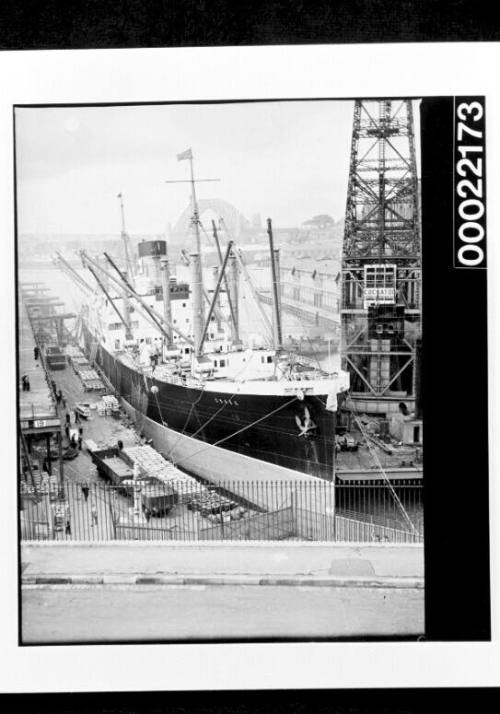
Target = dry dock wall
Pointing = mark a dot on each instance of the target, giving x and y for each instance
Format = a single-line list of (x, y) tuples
[(219, 465), (292, 558)]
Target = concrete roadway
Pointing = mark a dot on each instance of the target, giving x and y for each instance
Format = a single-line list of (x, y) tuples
[(171, 613)]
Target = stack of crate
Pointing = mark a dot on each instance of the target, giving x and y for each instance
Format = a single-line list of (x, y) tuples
[(110, 402), (153, 465), (110, 405), (45, 484), (90, 380), (79, 364)]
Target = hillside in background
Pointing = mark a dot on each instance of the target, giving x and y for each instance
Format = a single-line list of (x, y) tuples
[(309, 242)]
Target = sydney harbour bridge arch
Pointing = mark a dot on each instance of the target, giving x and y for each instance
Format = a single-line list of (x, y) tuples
[(217, 208)]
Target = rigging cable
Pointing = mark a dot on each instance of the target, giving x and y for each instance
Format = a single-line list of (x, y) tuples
[(164, 423), (254, 293), (315, 354), (181, 434), (386, 478), (208, 420), (239, 431)]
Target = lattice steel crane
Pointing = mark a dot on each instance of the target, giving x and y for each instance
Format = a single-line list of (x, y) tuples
[(381, 260)]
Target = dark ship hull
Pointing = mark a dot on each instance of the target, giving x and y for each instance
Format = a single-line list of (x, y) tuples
[(262, 427)]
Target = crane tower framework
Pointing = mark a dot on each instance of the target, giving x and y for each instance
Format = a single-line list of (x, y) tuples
[(381, 259)]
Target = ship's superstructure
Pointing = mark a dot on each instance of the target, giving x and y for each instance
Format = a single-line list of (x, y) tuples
[(180, 363)]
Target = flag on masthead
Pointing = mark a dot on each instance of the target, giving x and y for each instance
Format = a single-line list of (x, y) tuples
[(188, 154)]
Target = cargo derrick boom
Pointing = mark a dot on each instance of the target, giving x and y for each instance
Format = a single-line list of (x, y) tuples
[(381, 259)]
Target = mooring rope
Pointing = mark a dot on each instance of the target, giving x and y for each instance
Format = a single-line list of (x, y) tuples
[(239, 431), (181, 434)]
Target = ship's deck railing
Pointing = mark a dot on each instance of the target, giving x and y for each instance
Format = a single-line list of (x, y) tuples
[(162, 374)]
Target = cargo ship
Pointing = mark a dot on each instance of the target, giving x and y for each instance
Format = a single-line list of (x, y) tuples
[(212, 405)]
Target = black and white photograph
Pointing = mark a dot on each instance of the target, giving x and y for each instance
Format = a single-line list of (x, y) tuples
[(250, 372), (217, 346)]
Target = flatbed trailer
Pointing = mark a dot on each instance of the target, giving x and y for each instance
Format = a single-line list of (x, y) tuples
[(79, 364), (91, 381), (111, 466), (157, 498)]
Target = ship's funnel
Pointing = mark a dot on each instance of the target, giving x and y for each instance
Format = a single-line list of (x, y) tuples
[(150, 253)]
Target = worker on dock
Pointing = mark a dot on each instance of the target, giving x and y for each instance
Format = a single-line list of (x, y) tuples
[(85, 491), (36, 352), (26, 383), (80, 437), (68, 418)]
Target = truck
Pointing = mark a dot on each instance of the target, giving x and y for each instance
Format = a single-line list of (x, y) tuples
[(83, 409), (111, 465), (157, 498), (55, 357)]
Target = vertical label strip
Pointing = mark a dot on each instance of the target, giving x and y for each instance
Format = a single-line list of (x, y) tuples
[(469, 183), (454, 400)]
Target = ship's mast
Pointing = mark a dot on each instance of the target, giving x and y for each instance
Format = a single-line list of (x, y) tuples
[(167, 306), (197, 274), (231, 290), (126, 242), (274, 255), (128, 273), (198, 308)]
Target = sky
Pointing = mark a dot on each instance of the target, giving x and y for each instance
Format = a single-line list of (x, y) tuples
[(287, 161)]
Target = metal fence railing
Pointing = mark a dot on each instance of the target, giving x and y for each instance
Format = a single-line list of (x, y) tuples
[(233, 511)]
